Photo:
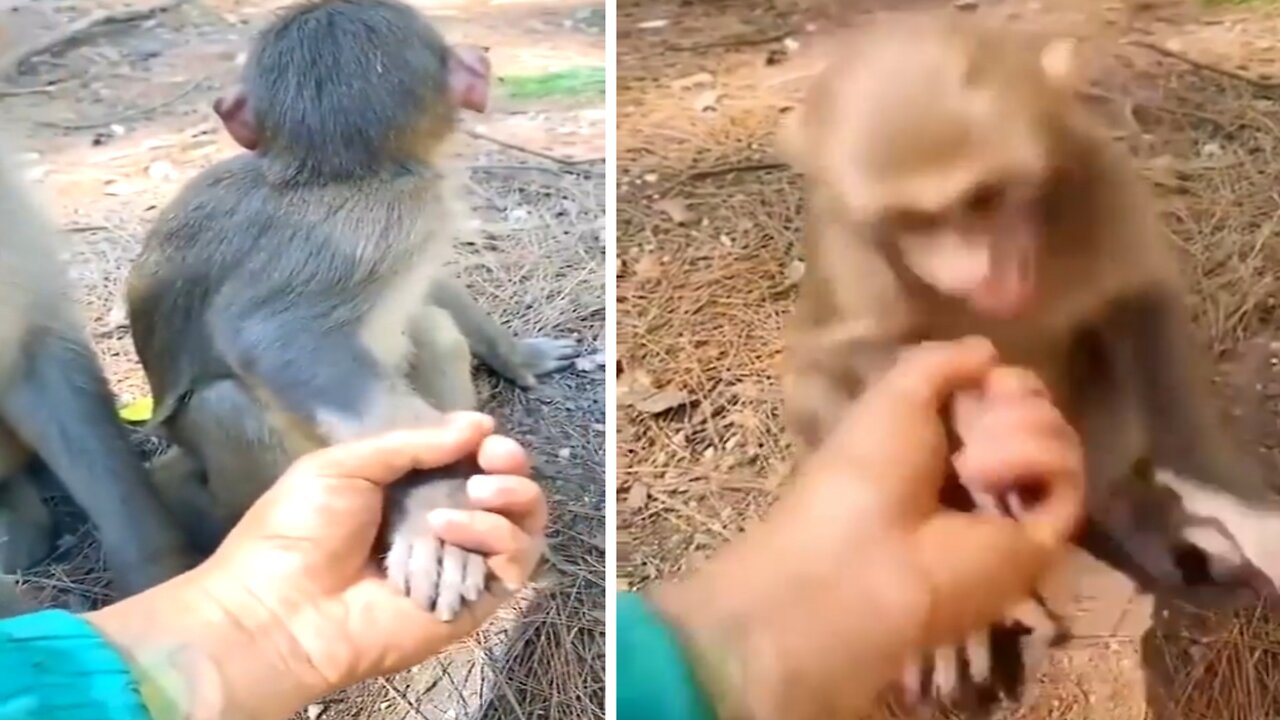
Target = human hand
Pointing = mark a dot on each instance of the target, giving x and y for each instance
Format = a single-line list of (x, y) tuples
[(813, 611), (291, 607)]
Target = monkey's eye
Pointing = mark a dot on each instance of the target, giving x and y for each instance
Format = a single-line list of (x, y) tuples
[(984, 199)]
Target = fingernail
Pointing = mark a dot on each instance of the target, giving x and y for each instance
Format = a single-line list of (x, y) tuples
[(466, 419), (442, 519), (484, 488)]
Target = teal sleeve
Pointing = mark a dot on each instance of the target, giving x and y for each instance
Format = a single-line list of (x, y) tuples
[(654, 678), (55, 665)]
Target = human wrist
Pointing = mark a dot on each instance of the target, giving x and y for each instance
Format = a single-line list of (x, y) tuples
[(762, 635), (201, 650)]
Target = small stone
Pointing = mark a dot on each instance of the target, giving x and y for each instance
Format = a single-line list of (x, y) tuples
[(314, 710)]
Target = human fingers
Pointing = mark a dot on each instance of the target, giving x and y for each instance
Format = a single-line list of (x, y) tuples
[(512, 553), (928, 374), (385, 458), (1010, 381), (515, 496), (1053, 466), (995, 423), (500, 455), (976, 566)]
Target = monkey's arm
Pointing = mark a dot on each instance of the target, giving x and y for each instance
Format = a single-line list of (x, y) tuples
[(1158, 340), (313, 369), (823, 379), (520, 361)]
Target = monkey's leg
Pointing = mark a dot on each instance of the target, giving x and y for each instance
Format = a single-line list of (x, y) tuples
[(241, 453), (180, 480), (812, 405), (26, 525), (520, 361), (58, 403), (336, 389), (1228, 512), (441, 367)]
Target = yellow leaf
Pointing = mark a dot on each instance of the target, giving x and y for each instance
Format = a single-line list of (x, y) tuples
[(139, 410)]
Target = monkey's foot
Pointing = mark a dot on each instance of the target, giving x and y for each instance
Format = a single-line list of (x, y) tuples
[(436, 576), (991, 665), (546, 355)]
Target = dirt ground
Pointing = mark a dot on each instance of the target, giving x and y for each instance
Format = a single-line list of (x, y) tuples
[(707, 264), (116, 120)]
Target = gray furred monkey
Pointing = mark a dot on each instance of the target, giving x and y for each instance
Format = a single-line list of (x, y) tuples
[(294, 296), (56, 408)]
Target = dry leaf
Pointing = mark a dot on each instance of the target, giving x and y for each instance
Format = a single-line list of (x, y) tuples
[(637, 496), (660, 401), (707, 101), (637, 391), (119, 188), (161, 170), (675, 209), (648, 267), (692, 81), (795, 271)]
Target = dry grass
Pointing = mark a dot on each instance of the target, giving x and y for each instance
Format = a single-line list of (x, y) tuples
[(706, 253)]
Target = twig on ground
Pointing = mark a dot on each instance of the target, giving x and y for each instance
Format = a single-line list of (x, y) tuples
[(128, 115), (515, 168), (1201, 65), (529, 151), (740, 41), (404, 699), (77, 29), (12, 91), (718, 171)]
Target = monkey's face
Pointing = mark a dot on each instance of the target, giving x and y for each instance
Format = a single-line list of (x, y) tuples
[(940, 141), (981, 248)]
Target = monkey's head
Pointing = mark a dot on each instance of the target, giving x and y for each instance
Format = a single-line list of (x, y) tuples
[(338, 89), (941, 139)]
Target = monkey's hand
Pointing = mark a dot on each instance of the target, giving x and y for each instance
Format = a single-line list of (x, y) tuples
[(437, 576), (544, 356)]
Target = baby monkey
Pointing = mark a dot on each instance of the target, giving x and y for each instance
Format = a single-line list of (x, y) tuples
[(296, 295), (956, 185)]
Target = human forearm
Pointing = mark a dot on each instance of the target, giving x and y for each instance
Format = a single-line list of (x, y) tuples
[(202, 652), (764, 643)]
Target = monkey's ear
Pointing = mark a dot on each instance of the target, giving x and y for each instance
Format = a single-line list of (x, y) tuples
[(1061, 62)]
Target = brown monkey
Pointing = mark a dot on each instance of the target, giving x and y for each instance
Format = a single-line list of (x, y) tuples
[(955, 185), (295, 296), (57, 411)]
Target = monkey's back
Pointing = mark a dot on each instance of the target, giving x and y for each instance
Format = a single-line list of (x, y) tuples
[(311, 253)]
